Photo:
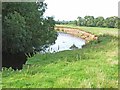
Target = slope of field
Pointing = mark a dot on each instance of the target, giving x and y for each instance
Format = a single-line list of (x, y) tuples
[(93, 66), (94, 30)]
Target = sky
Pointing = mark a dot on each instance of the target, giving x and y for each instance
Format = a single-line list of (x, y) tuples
[(71, 9)]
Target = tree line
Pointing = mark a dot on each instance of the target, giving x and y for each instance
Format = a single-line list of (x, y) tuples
[(91, 21)]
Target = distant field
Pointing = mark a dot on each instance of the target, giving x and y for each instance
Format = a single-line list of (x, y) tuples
[(93, 66), (95, 30)]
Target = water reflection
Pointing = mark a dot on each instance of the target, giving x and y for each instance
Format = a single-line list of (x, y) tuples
[(64, 42)]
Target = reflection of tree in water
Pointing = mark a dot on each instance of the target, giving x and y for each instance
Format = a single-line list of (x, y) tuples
[(58, 47), (73, 47)]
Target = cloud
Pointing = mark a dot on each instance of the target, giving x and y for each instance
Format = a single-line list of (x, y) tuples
[(71, 9)]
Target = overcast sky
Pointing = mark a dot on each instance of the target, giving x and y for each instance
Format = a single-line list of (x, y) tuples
[(71, 9)]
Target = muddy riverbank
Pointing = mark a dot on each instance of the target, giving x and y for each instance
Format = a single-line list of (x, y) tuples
[(87, 36)]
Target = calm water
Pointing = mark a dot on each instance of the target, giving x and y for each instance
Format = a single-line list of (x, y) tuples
[(64, 42)]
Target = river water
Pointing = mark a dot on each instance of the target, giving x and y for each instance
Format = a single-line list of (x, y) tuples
[(64, 42)]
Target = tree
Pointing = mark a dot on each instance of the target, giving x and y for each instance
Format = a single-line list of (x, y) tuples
[(89, 21), (25, 30), (118, 23), (111, 22), (80, 21), (14, 33), (99, 21), (73, 22)]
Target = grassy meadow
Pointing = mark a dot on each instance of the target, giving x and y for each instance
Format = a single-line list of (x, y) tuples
[(93, 66)]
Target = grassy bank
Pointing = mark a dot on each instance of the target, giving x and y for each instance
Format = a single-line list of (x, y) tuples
[(96, 65)]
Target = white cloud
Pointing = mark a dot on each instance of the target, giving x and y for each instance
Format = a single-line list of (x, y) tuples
[(71, 9)]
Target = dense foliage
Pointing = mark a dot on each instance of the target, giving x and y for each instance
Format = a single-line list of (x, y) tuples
[(24, 27), (91, 21)]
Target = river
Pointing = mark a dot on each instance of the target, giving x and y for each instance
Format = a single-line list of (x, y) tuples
[(64, 42)]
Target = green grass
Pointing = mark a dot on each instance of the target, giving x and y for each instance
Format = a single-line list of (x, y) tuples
[(0, 80), (94, 66)]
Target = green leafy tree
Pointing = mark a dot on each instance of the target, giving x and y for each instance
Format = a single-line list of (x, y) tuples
[(118, 23), (15, 35), (80, 21), (25, 30), (111, 22), (73, 22), (89, 21), (99, 21)]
